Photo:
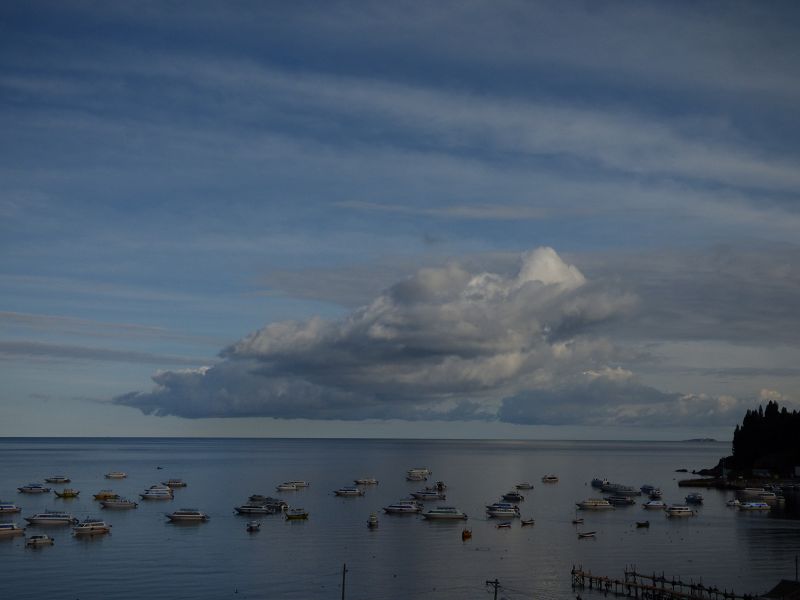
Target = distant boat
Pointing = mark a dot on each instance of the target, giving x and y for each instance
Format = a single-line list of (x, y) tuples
[(10, 530), (33, 488), (255, 508), (118, 503), (106, 495), (116, 475), (595, 504), (524, 486), (525, 522), (349, 491), (754, 506), (550, 479), (253, 526), (513, 496), (679, 510), (296, 514), (577, 521), (51, 517), (372, 522), (366, 481), (91, 527), (188, 515), (174, 483), (403, 507), (39, 540), (9, 507), (586, 534), (466, 534), (654, 505), (504, 525), (642, 524), (444, 513), (57, 479), (67, 493), (286, 487), (694, 499)]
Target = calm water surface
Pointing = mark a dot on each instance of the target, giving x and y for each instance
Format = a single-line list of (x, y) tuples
[(406, 557)]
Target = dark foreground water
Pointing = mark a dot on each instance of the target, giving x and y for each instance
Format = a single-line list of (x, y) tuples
[(406, 557)]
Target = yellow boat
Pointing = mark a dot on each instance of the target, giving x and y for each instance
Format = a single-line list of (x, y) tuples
[(67, 493), (106, 495)]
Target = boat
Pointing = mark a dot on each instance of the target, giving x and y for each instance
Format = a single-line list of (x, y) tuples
[(187, 515), (51, 517), (526, 522), (525, 485), (550, 479), (174, 483), (654, 505), (428, 495), (286, 487), (598, 482), (577, 521), (513, 496), (595, 504), (768, 497), (253, 526), (106, 495), (9, 507), (621, 500), (67, 493), (656, 494), (33, 488), (115, 475), (617, 489), (349, 492), (8, 530), (91, 527), (502, 509), (444, 513), (679, 510), (366, 481), (504, 525), (278, 504), (754, 506), (57, 479), (39, 540), (586, 534), (296, 514), (641, 524), (157, 493), (694, 499), (255, 508), (118, 503), (733, 503), (403, 507), (750, 492), (466, 534), (299, 484), (647, 489), (372, 522), (420, 474)]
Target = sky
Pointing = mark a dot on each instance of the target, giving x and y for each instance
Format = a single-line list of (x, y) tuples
[(481, 219)]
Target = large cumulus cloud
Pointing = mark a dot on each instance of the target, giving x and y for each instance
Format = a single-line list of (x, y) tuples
[(447, 343)]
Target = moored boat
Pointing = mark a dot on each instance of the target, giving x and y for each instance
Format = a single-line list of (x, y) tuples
[(444, 513), (513, 496), (595, 504), (39, 540), (254, 508), (525, 485), (67, 493), (298, 483), (286, 487), (9, 507), (33, 488), (621, 500), (654, 505), (115, 475), (694, 499), (91, 526), (641, 524), (597, 482), (679, 510), (403, 507), (8, 530), (754, 506), (253, 526), (504, 525), (586, 534), (106, 495), (296, 514), (502, 509), (57, 479), (51, 517), (157, 493), (550, 479), (174, 483), (526, 522), (428, 495), (366, 481), (372, 522), (187, 515), (349, 491), (118, 503)]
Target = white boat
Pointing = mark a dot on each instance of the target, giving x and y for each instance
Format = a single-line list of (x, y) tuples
[(299, 483), (188, 514), (654, 505), (156, 493), (403, 507), (679, 510), (750, 492), (372, 522), (254, 508), (366, 481), (733, 503), (51, 517), (8, 530), (428, 495), (91, 527), (286, 486), (502, 509), (524, 486), (33, 488), (349, 491), (39, 540), (118, 503), (550, 479), (9, 507), (116, 475), (174, 483), (444, 513), (754, 506), (595, 504), (57, 479)]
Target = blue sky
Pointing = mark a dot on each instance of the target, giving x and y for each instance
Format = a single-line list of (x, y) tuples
[(480, 219)]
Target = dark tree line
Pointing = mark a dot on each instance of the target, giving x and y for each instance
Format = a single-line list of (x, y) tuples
[(768, 439)]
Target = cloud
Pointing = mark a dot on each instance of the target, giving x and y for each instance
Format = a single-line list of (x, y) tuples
[(446, 343)]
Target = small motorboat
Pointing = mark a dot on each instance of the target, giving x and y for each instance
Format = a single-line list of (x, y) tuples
[(586, 534), (296, 514), (504, 525), (174, 483), (10, 530), (91, 527), (524, 486), (39, 540), (466, 534), (253, 526), (115, 475), (525, 522), (67, 493), (372, 522), (550, 479), (513, 496), (641, 524), (286, 486), (9, 507)]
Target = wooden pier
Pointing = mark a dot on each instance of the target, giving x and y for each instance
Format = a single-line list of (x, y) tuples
[(650, 587)]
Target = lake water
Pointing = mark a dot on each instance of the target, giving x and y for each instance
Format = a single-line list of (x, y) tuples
[(406, 556)]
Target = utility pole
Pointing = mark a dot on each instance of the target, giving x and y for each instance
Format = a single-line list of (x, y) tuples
[(496, 585), (344, 573)]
